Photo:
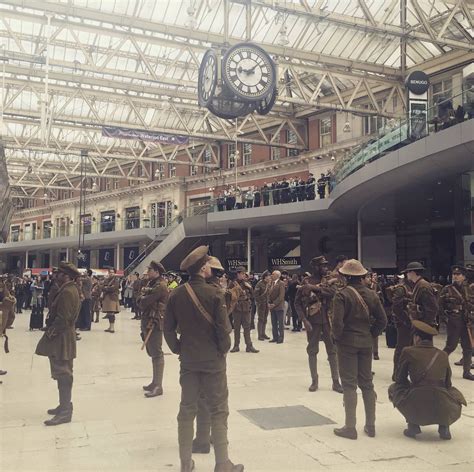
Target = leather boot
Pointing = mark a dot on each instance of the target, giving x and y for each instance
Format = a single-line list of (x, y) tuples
[(63, 416), (369, 397), (412, 430), (260, 331), (158, 369), (228, 467), (468, 376), (313, 368), (459, 362), (336, 386), (199, 448), (236, 348), (350, 408), (187, 466), (444, 432), (251, 349), (346, 432), (149, 387), (55, 411)]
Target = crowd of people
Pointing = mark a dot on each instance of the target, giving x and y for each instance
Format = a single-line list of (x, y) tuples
[(278, 192), (347, 308)]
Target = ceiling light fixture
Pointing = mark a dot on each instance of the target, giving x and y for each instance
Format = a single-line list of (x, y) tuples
[(282, 36)]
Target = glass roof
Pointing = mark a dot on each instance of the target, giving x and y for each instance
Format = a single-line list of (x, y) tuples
[(73, 65)]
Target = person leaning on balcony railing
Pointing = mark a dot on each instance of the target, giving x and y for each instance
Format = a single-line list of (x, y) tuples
[(220, 202), (266, 194), (249, 195), (310, 188), (110, 298)]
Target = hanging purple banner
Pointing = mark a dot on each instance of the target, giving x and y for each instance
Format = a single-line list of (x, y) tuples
[(143, 135)]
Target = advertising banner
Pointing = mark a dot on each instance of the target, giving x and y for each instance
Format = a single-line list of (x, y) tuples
[(143, 135)]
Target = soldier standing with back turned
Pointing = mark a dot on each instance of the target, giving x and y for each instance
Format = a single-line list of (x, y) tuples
[(152, 302), (197, 310), (59, 340), (454, 307), (358, 316), (313, 302)]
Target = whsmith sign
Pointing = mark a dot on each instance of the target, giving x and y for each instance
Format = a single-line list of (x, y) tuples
[(284, 262)]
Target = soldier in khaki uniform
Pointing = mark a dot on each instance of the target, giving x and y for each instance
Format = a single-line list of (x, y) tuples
[(424, 305), (202, 441), (96, 294), (261, 299), (152, 302), (197, 310), (401, 296), (59, 340), (110, 298), (427, 397), (312, 302), (358, 316), (454, 308), (241, 313)]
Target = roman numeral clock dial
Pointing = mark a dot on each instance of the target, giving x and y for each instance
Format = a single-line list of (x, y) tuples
[(249, 72), (207, 79)]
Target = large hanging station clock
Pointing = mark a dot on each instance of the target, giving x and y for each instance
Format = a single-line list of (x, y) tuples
[(243, 80)]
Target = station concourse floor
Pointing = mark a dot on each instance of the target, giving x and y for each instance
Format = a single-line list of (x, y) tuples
[(114, 427)]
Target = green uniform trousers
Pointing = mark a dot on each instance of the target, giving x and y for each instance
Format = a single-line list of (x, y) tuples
[(321, 331), (458, 331), (213, 386), (155, 351), (242, 320), (60, 368), (404, 339), (355, 368)]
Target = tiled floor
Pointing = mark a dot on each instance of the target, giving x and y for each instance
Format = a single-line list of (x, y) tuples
[(115, 428)]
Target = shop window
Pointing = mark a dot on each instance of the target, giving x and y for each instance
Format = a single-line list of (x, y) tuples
[(158, 215), (132, 218), (291, 138), (15, 234), (29, 231), (194, 170), (231, 149), (62, 227), (47, 227), (107, 221), (160, 172), (442, 90), (171, 170), (247, 158), (207, 160), (275, 152), (86, 224), (326, 131)]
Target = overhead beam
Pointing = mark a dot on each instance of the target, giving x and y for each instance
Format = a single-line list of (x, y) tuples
[(165, 29)]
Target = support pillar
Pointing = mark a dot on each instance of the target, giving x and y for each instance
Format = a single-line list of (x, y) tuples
[(359, 235), (249, 250), (67, 254), (117, 262), (26, 260)]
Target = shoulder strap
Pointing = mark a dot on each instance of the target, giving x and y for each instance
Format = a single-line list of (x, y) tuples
[(198, 305), (428, 367), (360, 299), (458, 292)]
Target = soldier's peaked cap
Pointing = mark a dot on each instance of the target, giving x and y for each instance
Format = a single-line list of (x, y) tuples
[(69, 268), (195, 256), (353, 267), (215, 263), (319, 260), (424, 327), (413, 266), (458, 269), (157, 267)]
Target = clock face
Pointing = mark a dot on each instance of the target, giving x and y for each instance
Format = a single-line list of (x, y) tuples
[(207, 80), (249, 72)]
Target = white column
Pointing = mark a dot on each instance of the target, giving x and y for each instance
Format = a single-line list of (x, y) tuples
[(26, 260), (67, 254), (249, 250), (117, 263)]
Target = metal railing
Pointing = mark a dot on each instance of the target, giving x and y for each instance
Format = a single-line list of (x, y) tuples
[(400, 133)]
